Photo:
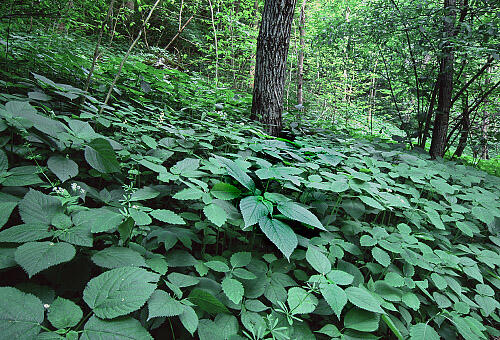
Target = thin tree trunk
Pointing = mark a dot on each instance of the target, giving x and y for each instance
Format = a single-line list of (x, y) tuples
[(96, 51), (216, 44), (272, 49), (465, 127), (371, 100), (252, 57), (485, 123), (440, 130), (179, 32), (126, 57), (428, 118), (300, 66)]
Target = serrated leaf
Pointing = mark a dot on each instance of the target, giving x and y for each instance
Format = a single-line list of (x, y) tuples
[(233, 289), (255, 306), (218, 266), (149, 141), (340, 277), (244, 274), (371, 202), (215, 214), (162, 304), (6, 209), (318, 260), (34, 257), (64, 313), (189, 319), (99, 220), (236, 171), (188, 194), (301, 301), (185, 165), (381, 256), (123, 328), (38, 208), (207, 302), (62, 167), (411, 300), (116, 257), (435, 218), (183, 280), (423, 331), (158, 264), (144, 194), (100, 155), (298, 213), (361, 320), (21, 314), (241, 259), (283, 237), (119, 291), (167, 216), (335, 297), (25, 233), (439, 281), (363, 299), (4, 161), (252, 210), (224, 191)]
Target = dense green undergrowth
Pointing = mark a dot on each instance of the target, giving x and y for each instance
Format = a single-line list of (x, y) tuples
[(170, 216)]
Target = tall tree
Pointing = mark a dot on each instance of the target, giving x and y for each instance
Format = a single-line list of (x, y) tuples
[(270, 67), (300, 75), (445, 91)]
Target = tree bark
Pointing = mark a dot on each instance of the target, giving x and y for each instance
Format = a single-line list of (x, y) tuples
[(440, 130), (465, 127), (302, 43), (485, 123), (270, 67)]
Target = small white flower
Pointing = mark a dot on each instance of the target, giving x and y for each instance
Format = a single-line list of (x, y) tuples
[(82, 191), (74, 186), (46, 305), (135, 207)]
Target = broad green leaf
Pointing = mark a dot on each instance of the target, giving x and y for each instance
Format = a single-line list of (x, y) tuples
[(233, 289), (335, 297), (227, 326), (100, 155), (215, 214), (244, 274), (236, 171), (149, 141), (182, 280), (240, 259), (123, 328), (25, 233), (6, 209), (464, 228), (167, 216), (363, 299), (64, 313), (162, 304), (99, 220), (301, 301), (158, 264), (411, 300), (185, 165), (207, 302), (7, 257), (62, 167), (4, 161), (381, 256), (435, 218), (34, 257), (340, 277), (252, 210), (423, 331), (189, 319), (115, 257), (225, 191), (483, 214), (189, 194), (38, 208), (371, 202), (218, 266), (143, 194), (21, 315), (283, 237), (119, 291), (153, 166), (298, 213), (318, 260), (361, 320), (255, 305), (439, 281)]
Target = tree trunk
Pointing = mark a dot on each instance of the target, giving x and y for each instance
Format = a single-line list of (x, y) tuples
[(485, 123), (302, 43), (464, 131), (430, 113), (270, 66), (440, 130)]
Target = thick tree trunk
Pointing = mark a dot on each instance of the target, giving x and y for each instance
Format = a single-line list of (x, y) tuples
[(270, 67), (302, 33), (440, 130)]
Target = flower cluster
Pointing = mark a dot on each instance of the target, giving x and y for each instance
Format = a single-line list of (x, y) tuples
[(161, 119), (76, 188), (59, 190)]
